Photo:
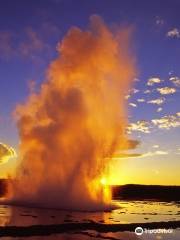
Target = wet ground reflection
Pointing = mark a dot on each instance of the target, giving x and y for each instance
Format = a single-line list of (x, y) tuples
[(127, 212)]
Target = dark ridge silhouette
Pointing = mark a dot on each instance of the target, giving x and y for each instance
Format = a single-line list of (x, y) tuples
[(44, 230), (3, 187), (146, 192)]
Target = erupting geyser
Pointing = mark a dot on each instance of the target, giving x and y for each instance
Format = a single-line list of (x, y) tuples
[(72, 126)]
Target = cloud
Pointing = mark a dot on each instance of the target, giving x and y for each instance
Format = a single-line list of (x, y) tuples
[(142, 155), (157, 101), (130, 144), (126, 155), (156, 146), (159, 109), (6, 153), (167, 122), (166, 90), (158, 152), (127, 96), (133, 104), (141, 100), (152, 81), (136, 79), (175, 81), (134, 90), (147, 91), (139, 126), (173, 33)]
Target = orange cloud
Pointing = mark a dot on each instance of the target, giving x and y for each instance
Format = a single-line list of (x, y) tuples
[(6, 153)]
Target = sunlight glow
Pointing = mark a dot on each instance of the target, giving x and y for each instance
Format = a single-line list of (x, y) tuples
[(103, 181)]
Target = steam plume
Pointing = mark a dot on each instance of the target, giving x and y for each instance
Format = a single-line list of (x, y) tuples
[(73, 125)]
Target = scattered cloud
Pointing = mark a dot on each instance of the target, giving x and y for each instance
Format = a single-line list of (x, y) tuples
[(134, 90), (6, 153), (167, 122), (139, 126), (142, 155), (127, 96), (126, 155), (151, 153), (130, 144), (175, 81), (159, 109), (136, 79), (133, 104), (156, 146), (160, 152), (157, 101), (141, 100), (147, 91), (152, 81), (173, 33), (166, 90)]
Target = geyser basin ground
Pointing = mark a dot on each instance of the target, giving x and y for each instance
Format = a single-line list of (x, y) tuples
[(89, 225)]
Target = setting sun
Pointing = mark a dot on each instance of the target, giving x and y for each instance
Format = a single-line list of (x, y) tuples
[(103, 181)]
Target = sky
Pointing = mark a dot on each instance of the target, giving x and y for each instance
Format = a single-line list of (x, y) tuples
[(29, 33)]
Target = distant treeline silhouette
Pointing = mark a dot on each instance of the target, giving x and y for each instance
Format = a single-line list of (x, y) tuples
[(146, 192)]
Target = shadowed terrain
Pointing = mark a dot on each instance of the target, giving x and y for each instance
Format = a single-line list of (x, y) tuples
[(44, 230)]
